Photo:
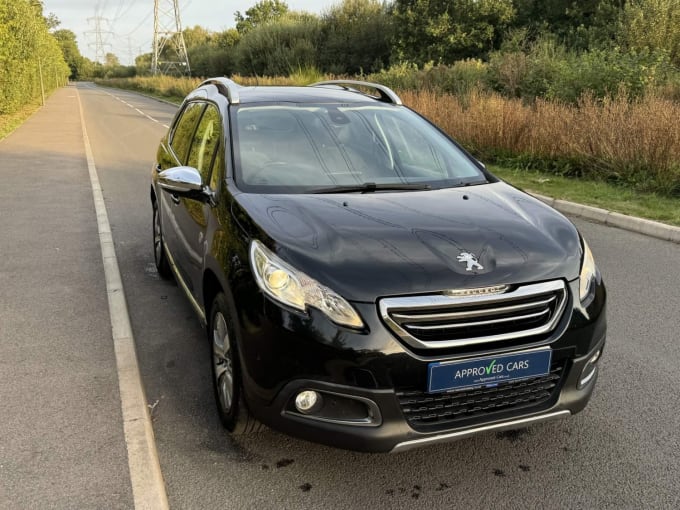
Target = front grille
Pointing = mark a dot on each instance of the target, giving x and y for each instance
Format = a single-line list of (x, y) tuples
[(444, 321), (468, 407)]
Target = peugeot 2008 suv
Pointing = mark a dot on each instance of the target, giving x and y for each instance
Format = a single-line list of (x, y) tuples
[(364, 282)]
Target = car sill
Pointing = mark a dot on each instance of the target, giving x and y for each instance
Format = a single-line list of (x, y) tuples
[(180, 280), (415, 443)]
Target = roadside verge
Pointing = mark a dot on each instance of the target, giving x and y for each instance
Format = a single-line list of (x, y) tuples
[(614, 219)]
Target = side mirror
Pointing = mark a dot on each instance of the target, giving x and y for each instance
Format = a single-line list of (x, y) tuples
[(181, 180)]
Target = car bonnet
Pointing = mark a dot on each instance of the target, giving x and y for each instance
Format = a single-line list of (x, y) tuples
[(366, 246)]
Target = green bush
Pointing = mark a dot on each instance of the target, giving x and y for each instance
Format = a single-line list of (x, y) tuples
[(548, 70), (604, 73), (459, 79), (209, 60), (400, 76), (279, 47)]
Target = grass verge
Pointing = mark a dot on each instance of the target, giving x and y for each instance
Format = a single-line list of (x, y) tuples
[(598, 194), (9, 123)]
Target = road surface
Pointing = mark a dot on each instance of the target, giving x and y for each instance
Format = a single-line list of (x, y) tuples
[(62, 436)]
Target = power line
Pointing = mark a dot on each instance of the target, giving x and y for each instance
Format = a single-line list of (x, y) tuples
[(122, 42), (142, 22), (123, 10)]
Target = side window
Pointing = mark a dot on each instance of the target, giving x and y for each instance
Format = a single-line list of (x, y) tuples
[(218, 168), (205, 141), (184, 130)]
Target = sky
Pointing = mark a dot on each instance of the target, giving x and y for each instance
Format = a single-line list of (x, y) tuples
[(129, 29)]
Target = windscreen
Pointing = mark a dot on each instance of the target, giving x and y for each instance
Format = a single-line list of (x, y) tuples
[(308, 148)]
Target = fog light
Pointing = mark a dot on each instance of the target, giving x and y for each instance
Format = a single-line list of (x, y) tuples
[(589, 370), (308, 401)]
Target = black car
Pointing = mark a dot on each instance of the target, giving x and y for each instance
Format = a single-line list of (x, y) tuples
[(365, 283)]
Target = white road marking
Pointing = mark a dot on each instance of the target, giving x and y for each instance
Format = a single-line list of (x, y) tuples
[(148, 488), (137, 110)]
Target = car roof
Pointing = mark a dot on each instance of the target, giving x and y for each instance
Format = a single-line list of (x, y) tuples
[(339, 91)]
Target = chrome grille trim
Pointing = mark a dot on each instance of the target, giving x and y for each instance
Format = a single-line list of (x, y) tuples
[(405, 315), (481, 323), (471, 313)]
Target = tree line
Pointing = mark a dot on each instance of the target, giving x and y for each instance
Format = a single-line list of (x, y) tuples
[(31, 60)]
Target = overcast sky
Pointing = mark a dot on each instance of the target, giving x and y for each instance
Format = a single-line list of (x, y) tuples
[(131, 21)]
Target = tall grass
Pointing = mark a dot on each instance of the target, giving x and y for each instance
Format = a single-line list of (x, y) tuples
[(633, 142), (165, 86)]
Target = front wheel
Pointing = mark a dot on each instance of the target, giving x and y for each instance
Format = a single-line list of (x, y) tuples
[(231, 406), (160, 258)]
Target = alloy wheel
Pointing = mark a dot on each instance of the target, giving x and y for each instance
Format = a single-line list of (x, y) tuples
[(223, 367), (157, 237)]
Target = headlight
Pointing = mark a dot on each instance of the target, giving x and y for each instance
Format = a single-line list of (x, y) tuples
[(297, 290), (588, 271)]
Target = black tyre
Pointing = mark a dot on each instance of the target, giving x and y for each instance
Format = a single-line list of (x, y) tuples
[(160, 258), (226, 370)]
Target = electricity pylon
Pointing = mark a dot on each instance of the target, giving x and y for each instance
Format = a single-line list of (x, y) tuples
[(169, 49), (99, 44)]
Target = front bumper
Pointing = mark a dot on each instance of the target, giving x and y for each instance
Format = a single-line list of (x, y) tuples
[(392, 433), (284, 353)]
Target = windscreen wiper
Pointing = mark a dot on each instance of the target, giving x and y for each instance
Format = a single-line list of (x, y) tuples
[(370, 187)]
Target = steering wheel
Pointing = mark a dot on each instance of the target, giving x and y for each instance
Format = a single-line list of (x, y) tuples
[(257, 174)]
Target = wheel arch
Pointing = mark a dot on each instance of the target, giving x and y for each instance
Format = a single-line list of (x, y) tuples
[(211, 286)]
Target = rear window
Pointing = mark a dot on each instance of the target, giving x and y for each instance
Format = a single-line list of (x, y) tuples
[(303, 148)]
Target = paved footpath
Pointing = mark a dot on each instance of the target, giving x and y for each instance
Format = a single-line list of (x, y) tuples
[(61, 431)]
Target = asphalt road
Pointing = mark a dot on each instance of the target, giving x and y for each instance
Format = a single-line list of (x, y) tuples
[(623, 451)]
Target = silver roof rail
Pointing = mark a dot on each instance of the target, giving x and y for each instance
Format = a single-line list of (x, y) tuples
[(386, 94), (226, 86)]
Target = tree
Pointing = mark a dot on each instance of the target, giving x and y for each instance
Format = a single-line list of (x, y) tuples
[(227, 39), (27, 51), (653, 25), (52, 21), (69, 48), (579, 24), (443, 31), (143, 63), (111, 60), (262, 12), (355, 37), (197, 36), (279, 47)]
